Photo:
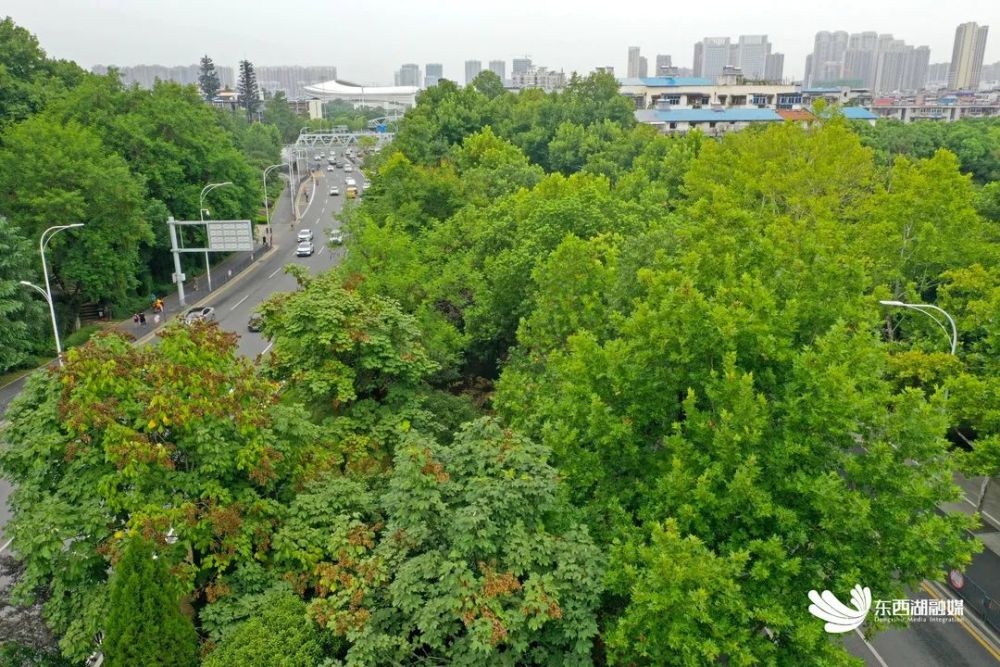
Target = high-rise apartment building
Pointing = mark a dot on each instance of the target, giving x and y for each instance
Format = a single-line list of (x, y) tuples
[(751, 56), (433, 72), (937, 75), (662, 63), (521, 65), (860, 59), (472, 70), (499, 67), (632, 70), (967, 56), (774, 68), (146, 75), (715, 55), (408, 75), (827, 57), (292, 79), (699, 50), (643, 67)]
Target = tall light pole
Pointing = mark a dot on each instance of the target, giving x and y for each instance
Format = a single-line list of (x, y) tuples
[(42, 242), (267, 206), (923, 308), (201, 211)]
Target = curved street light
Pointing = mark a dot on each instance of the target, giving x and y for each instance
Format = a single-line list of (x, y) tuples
[(42, 243), (201, 212), (921, 308)]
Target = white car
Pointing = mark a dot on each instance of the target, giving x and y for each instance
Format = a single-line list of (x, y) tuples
[(329, 167), (305, 249), (337, 237), (205, 313), (305, 235), (348, 168), (334, 191)]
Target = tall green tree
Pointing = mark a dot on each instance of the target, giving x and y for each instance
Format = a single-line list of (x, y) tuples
[(182, 435), (208, 78), (58, 173), (279, 113), (144, 625), (21, 311), (248, 92)]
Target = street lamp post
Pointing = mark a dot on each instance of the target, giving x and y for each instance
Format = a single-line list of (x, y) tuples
[(922, 308), (201, 211), (267, 203), (42, 242)]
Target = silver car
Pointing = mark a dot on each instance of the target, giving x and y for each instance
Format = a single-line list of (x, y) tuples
[(202, 314), (305, 249), (304, 235)]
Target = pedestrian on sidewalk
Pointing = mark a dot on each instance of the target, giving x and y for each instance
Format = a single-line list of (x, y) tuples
[(142, 318), (135, 318)]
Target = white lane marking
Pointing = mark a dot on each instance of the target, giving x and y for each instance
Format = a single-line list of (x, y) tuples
[(871, 648), (982, 512), (268, 347), (4, 547), (237, 304), (322, 248), (275, 272)]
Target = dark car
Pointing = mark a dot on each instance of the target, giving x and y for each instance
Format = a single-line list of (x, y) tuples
[(255, 323)]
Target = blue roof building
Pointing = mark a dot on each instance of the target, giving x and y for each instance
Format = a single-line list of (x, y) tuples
[(857, 113)]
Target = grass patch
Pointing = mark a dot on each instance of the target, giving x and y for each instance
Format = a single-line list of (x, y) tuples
[(78, 338)]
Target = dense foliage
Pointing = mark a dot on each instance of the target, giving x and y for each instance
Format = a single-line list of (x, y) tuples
[(145, 625), (579, 392)]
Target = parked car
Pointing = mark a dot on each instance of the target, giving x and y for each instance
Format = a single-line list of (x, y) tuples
[(255, 323), (334, 191), (202, 314), (304, 235), (337, 237), (305, 249)]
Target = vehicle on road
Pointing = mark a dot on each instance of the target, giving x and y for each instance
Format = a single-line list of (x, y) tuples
[(337, 237), (352, 191), (304, 235), (200, 314), (305, 249), (348, 168), (255, 323), (350, 181), (334, 191), (329, 167)]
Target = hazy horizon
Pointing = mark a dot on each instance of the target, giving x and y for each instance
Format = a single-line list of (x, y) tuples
[(367, 46)]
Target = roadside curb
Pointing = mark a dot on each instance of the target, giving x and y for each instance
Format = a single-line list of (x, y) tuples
[(216, 293), (977, 627)]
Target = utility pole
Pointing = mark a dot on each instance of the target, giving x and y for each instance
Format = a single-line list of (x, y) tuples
[(177, 261)]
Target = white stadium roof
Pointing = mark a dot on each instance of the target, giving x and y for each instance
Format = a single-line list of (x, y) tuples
[(337, 90)]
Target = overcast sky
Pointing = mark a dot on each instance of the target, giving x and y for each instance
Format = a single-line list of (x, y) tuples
[(368, 41)]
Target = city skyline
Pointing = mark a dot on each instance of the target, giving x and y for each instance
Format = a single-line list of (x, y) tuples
[(130, 33)]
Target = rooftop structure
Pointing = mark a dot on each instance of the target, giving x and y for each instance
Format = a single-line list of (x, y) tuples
[(369, 95)]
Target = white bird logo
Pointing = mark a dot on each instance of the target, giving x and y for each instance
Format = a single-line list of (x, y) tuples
[(838, 616)]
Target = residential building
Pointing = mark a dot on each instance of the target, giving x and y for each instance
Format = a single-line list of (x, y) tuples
[(752, 52), (699, 51), (538, 77), (774, 68), (521, 65), (937, 75), (472, 70), (499, 67), (409, 75), (967, 56), (433, 72), (860, 59), (146, 75), (662, 63), (632, 70), (944, 108), (827, 57), (607, 69), (990, 76), (715, 55), (643, 67)]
